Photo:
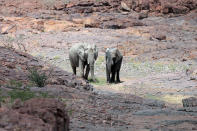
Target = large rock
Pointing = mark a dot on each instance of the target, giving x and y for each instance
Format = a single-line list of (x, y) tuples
[(35, 114), (11, 120), (190, 102), (143, 14)]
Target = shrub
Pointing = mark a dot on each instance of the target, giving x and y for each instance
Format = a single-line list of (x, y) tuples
[(38, 78)]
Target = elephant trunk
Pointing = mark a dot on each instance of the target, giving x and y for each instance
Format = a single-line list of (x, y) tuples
[(91, 61), (109, 68), (92, 72)]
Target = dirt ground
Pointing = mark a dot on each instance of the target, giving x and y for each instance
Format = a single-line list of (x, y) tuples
[(160, 62)]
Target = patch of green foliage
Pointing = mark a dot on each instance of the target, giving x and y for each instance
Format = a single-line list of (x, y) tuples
[(149, 96), (37, 78), (99, 81), (15, 83), (56, 57), (23, 95), (44, 95)]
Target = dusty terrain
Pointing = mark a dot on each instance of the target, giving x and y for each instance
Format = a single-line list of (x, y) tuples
[(157, 38)]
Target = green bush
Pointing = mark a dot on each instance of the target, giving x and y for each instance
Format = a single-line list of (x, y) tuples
[(21, 94), (14, 83), (38, 78)]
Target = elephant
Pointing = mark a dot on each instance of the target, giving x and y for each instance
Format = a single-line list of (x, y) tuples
[(113, 59), (83, 55)]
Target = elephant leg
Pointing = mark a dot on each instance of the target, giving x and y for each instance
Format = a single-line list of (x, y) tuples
[(92, 73), (74, 69), (87, 71), (81, 68), (118, 70), (113, 77), (118, 77), (108, 75)]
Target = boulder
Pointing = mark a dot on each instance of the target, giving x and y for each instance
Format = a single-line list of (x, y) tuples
[(143, 14), (190, 102), (91, 22), (180, 9), (40, 114), (11, 120), (59, 5)]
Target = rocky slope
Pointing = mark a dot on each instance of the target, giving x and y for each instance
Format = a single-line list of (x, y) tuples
[(15, 65)]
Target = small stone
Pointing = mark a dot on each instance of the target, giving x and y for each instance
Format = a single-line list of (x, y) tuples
[(124, 6), (159, 37), (142, 15)]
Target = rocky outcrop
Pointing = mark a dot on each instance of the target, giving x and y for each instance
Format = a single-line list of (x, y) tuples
[(35, 114), (156, 6), (112, 21), (163, 6), (14, 65)]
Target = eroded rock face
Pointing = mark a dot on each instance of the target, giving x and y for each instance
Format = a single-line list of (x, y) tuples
[(35, 114), (29, 7), (157, 6)]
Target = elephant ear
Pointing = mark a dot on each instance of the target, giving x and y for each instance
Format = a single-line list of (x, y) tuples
[(108, 57), (106, 54), (118, 55), (81, 54)]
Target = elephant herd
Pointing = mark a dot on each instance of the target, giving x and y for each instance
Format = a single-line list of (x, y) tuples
[(84, 56)]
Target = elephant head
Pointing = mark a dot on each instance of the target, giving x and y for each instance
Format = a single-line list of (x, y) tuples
[(113, 56)]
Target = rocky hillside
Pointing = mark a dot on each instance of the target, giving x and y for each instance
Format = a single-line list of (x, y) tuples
[(15, 66), (45, 113)]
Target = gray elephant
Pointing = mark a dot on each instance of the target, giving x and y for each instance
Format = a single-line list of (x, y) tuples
[(83, 55), (113, 64)]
